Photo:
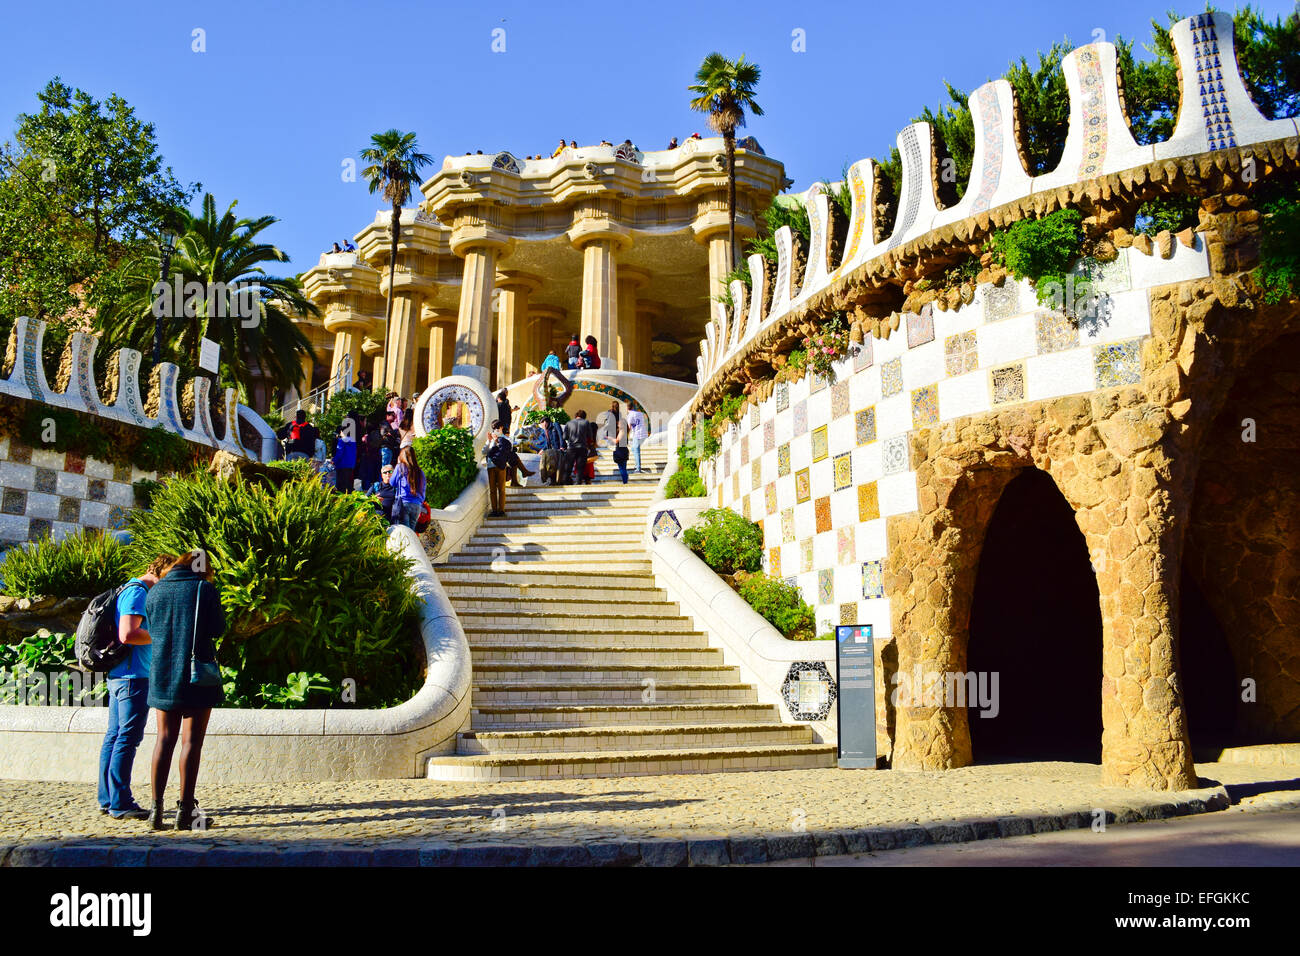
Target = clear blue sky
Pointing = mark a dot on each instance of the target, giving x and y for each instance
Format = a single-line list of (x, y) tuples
[(286, 91)]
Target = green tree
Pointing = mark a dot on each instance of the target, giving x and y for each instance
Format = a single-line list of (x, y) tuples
[(394, 170), (235, 302), (724, 89)]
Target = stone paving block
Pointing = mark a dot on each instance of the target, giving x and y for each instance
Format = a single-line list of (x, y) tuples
[(619, 853), (663, 852), (950, 832), (131, 856), (1015, 826), (1048, 823), (856, 841), (1156, 811), (712, 852), (911, 834), (325, 856), (559, 854), (243, 856), (83, 854), (492, 854), (180, 854), (1128, 815), (395, 856), (748, 850), (829, 844), (32, 854), (794, 846), (985, 829), (437, 854)]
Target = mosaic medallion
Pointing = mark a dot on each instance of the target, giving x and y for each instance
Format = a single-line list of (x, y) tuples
[(840, 399), (1055, 332), (891, 377), (435, 538), (774, 561), (820, 445), (864, 426), (806, 554), (769, 436), (756, 475), (1008, 384), (961, 353), (783, 460), (1001, 302), (848, 613), (769, 495), (896, 458), (822, 509), (925, 406), (873, 579), (808, 690), (920, 327), (782, 396), (787, 524), (843, 471), (665, 525), (1118, 364), (825, 586), (868, 502), (801, 419), (845, 547), (863, 357), (802, 486)]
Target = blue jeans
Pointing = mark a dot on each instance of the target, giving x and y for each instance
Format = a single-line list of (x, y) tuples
[(386, 456), (128, 708), (408, 512), (636, 452)]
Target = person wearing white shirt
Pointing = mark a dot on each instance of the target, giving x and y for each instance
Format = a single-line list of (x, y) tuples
[(638, 431)]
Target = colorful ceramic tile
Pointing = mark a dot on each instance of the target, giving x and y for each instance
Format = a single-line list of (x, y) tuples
[(744, 451), (800, 419), (920, 327), (820, 445), (868, 502), (873, 579), (825, 586), (774, 561), (769, 495), (864, 356), (1055, 332), (1008, 384), (822, 508), (925, 406), (806, 554), (1001, 302), (744, 510), (783, 460), (769, 436), (891, 377), (864, 425), (753, 417), (843, 471), (849, 614), (756, 473), (735, 485), (1118, 364), (1106, 277), (802, 486), (845, 546), (782, 396), (818, 383), (69, 509), (840, 399), (961, 353), (787, 524), (665, 525), (896, 456)]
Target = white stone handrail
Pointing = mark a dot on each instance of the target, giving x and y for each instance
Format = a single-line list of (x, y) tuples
[(27, 380), (1215, 112)]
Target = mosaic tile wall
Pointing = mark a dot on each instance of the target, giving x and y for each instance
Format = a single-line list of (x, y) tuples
[(823, 468), (46, 492)]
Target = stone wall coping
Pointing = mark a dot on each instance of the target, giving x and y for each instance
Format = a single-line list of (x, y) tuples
[(460, 519)]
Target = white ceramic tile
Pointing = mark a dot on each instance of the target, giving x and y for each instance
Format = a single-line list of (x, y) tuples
[(1059, 373)]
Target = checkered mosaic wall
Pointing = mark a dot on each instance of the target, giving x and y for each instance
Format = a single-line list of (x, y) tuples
[(821, 466), (46, 492)]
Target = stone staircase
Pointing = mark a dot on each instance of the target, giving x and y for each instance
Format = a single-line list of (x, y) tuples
[(582, 667)]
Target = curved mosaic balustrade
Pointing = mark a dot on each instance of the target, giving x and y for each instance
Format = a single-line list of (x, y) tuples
[(649, 159), (28, 380), (1215, 112)]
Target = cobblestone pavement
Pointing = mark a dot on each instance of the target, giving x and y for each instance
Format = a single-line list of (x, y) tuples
[(693, 806)]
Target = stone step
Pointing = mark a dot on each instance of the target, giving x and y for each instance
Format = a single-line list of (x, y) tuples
[(585, 693), (536, 606), (540, 577), (648, 737), (554, 716), (542, 595), (560, 523), (529, 672), (611, 629), (568, 563), (554, 536), (583, 640), (594, 654), (564, 550), (629, 763)]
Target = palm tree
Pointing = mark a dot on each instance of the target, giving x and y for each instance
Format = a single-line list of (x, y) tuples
[(725, 90), (394, 169), (243, 309)]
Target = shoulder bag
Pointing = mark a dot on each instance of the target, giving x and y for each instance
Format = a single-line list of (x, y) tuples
[(202, 673)]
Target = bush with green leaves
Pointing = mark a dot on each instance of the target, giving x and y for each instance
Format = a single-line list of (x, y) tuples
[(535, 416), (80, 565), (299, 467), (1042, 250), (341, 404), (305, 577), (46, 656), (728, 542), (446, 456), (1166, 214), (781, 605), (1279, 250)]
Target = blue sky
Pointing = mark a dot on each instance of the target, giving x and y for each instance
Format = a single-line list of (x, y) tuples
[(286, 91)]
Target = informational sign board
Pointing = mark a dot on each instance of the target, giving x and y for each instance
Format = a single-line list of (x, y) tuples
[(209, 355), (855, 664)]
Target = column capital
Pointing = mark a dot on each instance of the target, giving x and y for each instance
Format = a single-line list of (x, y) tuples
[(636, 278), (513, 280), (715, 225), (541, 310), (651, 307), (431, 315), (470, 237), (372, 348), (408, 282), (586, 231), (346, 320)]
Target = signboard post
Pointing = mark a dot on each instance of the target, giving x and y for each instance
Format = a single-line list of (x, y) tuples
[(855, 665)]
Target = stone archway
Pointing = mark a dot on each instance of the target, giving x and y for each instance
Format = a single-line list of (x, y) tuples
[(1035, 632)]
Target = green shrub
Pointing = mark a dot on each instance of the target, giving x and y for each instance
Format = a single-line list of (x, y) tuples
[(536, 415), (781, 605), (685, 483), (1166, 213), (1279, 251), (306, 579), (80, 565), (1043, 251), (727, 542), (144, 490), (163, 451), (446, 456), (61, 429), (274, 417), (50, 654), (341, 404), (300, 467)]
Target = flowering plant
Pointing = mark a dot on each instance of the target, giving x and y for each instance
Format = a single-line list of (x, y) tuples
[(827, 347)]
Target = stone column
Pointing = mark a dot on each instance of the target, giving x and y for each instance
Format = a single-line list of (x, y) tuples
[(347, 344), (514, 345), (598, 240), (480, 249), (546, 318), (375, 351), (629, 281), (441, 324), (649, 319), (402, 349)]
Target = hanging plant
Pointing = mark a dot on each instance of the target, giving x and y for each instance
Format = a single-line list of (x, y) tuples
[(828, 345)]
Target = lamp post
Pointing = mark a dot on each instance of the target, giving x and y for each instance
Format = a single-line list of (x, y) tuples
[(165, 245)]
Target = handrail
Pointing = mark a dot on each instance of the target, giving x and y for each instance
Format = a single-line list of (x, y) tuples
[(338, 382)]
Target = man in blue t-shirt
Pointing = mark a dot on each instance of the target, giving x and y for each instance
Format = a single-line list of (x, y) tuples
[(128, 697)]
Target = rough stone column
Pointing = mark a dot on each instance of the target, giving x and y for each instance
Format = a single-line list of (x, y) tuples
[(598, 240), (514, 345), (649, 319), (629, 281), (474, 321), (441, 324)]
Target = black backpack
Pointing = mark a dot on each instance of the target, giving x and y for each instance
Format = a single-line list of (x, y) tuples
[(96, 645)]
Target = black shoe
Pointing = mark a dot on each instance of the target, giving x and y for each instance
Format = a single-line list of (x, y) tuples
[(156, 821), (135, 812), (191, 817)]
